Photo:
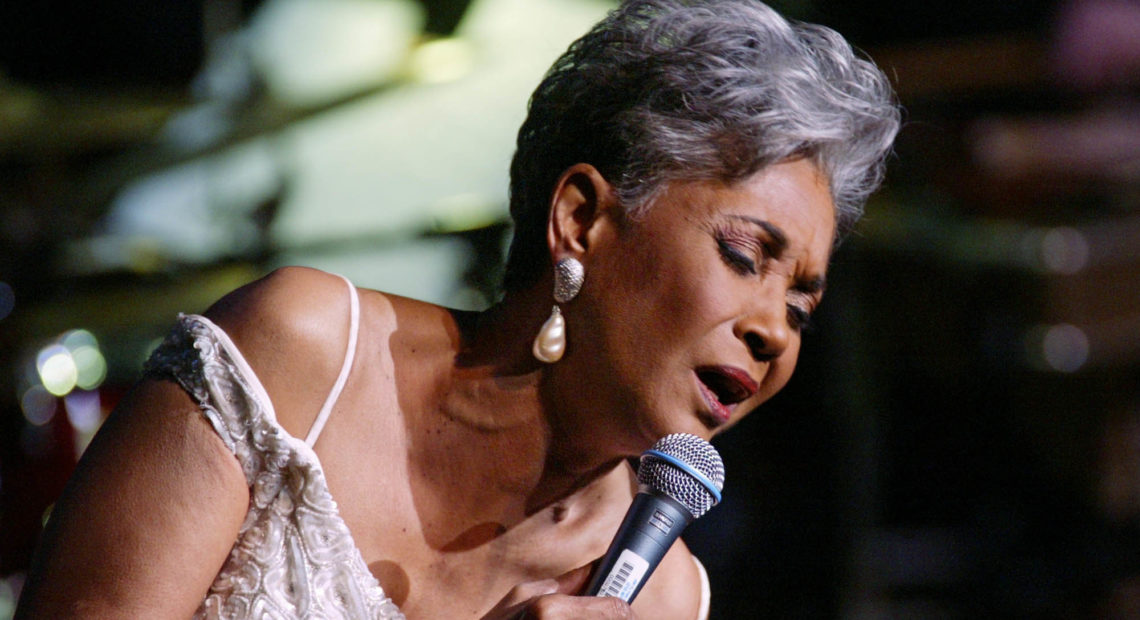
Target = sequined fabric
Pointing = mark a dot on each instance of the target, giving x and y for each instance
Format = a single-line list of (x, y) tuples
[(294, 556)]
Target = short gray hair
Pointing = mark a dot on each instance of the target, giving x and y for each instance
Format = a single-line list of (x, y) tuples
[(676, 90)]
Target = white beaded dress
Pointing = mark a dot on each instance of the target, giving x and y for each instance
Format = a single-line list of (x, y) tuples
[(294, 557)]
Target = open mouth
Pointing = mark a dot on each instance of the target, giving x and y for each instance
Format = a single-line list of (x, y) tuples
[(728, 385)]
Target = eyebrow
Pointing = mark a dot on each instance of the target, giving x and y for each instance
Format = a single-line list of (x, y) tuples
[(779, 238), (780, 241), (812, 285)]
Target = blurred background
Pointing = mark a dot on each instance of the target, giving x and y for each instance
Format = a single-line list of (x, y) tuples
[(962, 439)]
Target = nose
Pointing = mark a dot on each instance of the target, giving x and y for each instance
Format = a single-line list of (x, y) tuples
[(765, 331)]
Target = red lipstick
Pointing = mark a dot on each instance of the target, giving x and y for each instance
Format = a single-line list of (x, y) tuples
[(723, 387)]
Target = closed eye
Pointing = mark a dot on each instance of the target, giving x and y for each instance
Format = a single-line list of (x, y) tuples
[(737, 260), (799, 319)]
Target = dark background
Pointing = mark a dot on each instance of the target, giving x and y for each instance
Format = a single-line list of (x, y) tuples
[(962, 439)]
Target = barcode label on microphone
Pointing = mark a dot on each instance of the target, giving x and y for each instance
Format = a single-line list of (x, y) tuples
[(626, 574)]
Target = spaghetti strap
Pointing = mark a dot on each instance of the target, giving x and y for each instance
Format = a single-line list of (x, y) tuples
[(350, 354)]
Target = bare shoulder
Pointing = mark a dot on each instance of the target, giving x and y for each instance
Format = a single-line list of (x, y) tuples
[(289, 302), (292, 327)]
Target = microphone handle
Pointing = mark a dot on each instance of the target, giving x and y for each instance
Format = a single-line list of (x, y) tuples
[(651, 525)]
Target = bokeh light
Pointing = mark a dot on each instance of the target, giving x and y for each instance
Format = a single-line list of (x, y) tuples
[(38, 405), (73, 361), (1062, 347), (84, 410), (1066, 347), (77, 338), (1064, 250), (57, 369), (90, 365)]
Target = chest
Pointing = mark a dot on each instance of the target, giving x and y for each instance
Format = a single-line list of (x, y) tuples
[(435, 539), (466, 582), (447, 565)]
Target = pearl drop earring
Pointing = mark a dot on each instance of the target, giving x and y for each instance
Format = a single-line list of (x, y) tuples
[(550, 343)]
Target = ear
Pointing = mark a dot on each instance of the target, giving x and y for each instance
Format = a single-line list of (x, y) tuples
[(582, 198)]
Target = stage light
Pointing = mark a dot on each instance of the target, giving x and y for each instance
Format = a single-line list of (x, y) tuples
[(57, 370), (91, 366)]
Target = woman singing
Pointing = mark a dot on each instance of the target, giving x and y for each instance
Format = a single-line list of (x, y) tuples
[(309, 449)]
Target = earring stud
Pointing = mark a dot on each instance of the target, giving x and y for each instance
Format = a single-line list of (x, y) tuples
[(550, 343), (568, 277)]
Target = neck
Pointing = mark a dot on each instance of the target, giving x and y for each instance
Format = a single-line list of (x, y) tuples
[(529, 449)]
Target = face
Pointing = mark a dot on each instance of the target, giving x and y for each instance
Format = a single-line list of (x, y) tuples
[(692, 314)]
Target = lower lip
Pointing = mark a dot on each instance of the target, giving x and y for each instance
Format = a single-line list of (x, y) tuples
[(720, 411)]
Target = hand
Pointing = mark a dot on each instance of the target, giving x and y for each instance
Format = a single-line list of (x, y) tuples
[(550, 599)]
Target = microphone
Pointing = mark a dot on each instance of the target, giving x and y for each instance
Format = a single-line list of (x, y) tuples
[(679, 478)]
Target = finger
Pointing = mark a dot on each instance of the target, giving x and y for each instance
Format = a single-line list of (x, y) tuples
[(513, 605), (554, 606), (572, 582), (532, 589)]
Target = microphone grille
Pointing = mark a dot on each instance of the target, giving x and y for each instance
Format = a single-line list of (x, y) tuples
[(686, 468)]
